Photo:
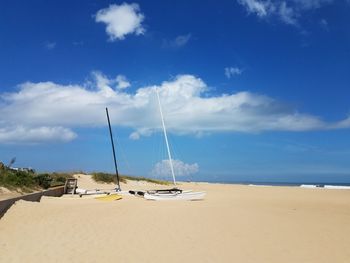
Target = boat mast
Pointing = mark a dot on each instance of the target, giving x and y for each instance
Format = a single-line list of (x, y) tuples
[(166, 139), (115, 161)]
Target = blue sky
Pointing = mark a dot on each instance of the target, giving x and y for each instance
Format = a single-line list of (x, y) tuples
[(252, 90)]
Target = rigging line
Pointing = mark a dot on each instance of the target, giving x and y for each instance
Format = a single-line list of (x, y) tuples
[(173, 147), (158, 150), (166, 139), (154, 142), (123, 155), (163, 156), (167, 172), (159, 156), (161, 151), (153, 151)]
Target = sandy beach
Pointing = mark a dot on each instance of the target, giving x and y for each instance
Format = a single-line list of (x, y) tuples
[(6, 193), (233, 224)]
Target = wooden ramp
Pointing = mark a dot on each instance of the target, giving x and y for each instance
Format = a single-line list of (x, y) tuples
[(70, 186)]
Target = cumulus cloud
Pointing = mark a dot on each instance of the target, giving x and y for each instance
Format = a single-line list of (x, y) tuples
[(178, 42), (162, 168), (287, 14), (267, 8), (122, 82), (287, 11), (260, 8), (134, 136), (121, 20), (232, 71), (182, 40), (341, 124), (22, 134), (106, 84), (188, 107)]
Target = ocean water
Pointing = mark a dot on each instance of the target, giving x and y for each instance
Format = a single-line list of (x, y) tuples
[(297, 184), (308, 185), (305, 184), (281, 179)]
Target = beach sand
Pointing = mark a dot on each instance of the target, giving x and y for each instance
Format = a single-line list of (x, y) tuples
[(233, 224), (6, 193)]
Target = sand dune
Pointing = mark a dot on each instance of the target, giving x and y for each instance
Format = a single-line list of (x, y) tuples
[(233, 224), (6, 193)]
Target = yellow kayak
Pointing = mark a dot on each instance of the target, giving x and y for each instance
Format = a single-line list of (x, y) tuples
[(109, 197)]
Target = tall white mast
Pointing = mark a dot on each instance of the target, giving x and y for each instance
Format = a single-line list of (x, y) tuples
[(166, 139)]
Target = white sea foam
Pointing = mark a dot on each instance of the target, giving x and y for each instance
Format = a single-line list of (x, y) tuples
[(337, 187), (326, 186), (308, 186)]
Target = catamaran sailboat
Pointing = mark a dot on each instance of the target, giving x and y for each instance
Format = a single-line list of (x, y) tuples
[(173, 193)]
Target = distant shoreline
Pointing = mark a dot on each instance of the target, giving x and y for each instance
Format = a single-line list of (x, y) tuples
[(268, 183)]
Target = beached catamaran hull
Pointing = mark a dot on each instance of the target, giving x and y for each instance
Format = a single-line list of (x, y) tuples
[(192, 196)]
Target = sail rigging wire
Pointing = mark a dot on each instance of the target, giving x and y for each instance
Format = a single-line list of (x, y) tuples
[(166, 139), (173, 147), (123, 156), (159, 152)]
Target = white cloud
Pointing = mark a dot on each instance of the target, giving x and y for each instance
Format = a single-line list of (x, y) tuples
[(287, 14), (50, 45), (122, 82), (106, 85), (162, 168), (260, 8), (121, 20), (287, 11), (178, 42), (182, 40), (188, 107), (22, 134), (266, 8), (312, 4), (232, 71), (341, 124), (134, 136)]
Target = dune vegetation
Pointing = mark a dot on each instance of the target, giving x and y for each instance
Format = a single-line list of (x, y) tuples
[(27, 180), (111, 178)]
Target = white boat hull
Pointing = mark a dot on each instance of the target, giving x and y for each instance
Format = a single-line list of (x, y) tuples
[(190, 196)]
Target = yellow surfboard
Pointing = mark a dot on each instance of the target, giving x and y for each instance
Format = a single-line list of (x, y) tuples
[(109, 197)]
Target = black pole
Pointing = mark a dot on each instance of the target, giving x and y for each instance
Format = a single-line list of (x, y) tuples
[(115, 160)]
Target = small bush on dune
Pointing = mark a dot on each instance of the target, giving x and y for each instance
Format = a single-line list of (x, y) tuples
[(43, 180), (141, 178), (111, 178), (17, 179), (59, 178), (28, 181), (104, 177)]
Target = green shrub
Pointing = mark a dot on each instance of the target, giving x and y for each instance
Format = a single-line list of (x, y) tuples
[(59, 178), (141, 178), (17, 179), (43, 180), (28, 180), (104, 177)]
